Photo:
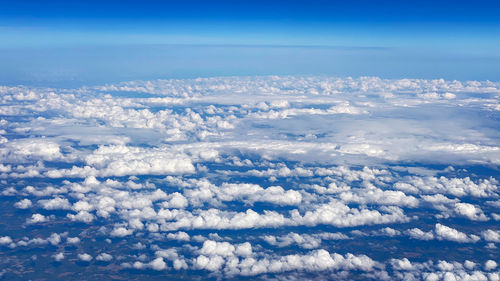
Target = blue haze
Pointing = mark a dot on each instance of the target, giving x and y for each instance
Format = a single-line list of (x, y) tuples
[(62, 43)]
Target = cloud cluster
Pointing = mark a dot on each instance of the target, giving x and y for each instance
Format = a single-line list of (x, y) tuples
[(248, 176)]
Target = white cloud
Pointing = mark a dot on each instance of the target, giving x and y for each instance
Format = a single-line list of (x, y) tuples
[(23, 204), (158, 264), (85, 257), (254, 193), (340, 215), (175, 200), (59, 256), (57, 203), (32, 149), (123, 160), (303, 240), (104, 257), (491, 235), (470, 211), (73, 240), (181, 236), (218, 153), (490, 265), (444, 232), (121, 232), (381, 197), (37, 218), (213, 263), (402, 264), (5, 240), (417, 233), (82, 216), (54, 239), (211, 248)]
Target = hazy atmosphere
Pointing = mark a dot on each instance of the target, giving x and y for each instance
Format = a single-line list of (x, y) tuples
[(249, 140)]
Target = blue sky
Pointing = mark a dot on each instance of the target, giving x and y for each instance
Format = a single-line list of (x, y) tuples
[(461, 35), (356, 23), (318, 158)]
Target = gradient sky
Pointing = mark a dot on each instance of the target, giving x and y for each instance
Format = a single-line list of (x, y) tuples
[(463, 34)]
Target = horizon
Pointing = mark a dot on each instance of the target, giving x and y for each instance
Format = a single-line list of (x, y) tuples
[(250, 140)]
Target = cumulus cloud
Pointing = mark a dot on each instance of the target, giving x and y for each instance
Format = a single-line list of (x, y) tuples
[(491, 235), (32, 149), (55, 204), (37, 218), (82, 216), (85, 257), (123, 160), (318, 260), (181, 236), (104, 257), (470, 211), (444, 232), (73, 240), (419, 234), (377, 196), (23, 204), (304, 241), (490, 265), (251, 193), (5, 240), (121, 232), (277, 161), (59, 256)]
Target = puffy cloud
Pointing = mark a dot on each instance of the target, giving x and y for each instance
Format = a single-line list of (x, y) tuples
[(491, 235), (444, 232), (37, 218), (470, 211), (5, 240), (175, 200), (387, 231), (403, 264), (340, 215), (82, 206), (459, 187), (73, 240), (381, 197), (217, 248), (244, 249), (252, 193), (123, 160), (32, 148), (59, 256), (57, 203), (158, 264), (318, 260), (417, 233), (217, 219), (23, 204), (104, 257), (217, 153), (204, 191), (181, 236), (303, 240), (121, 232), (54, 239), (82, 216), (85, 257), (213, 263), (490, 265)]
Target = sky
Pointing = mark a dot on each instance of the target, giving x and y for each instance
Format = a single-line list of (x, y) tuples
[(262, 140), (58, 42)]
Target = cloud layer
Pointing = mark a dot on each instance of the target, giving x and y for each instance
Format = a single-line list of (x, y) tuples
[(293, 177)]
